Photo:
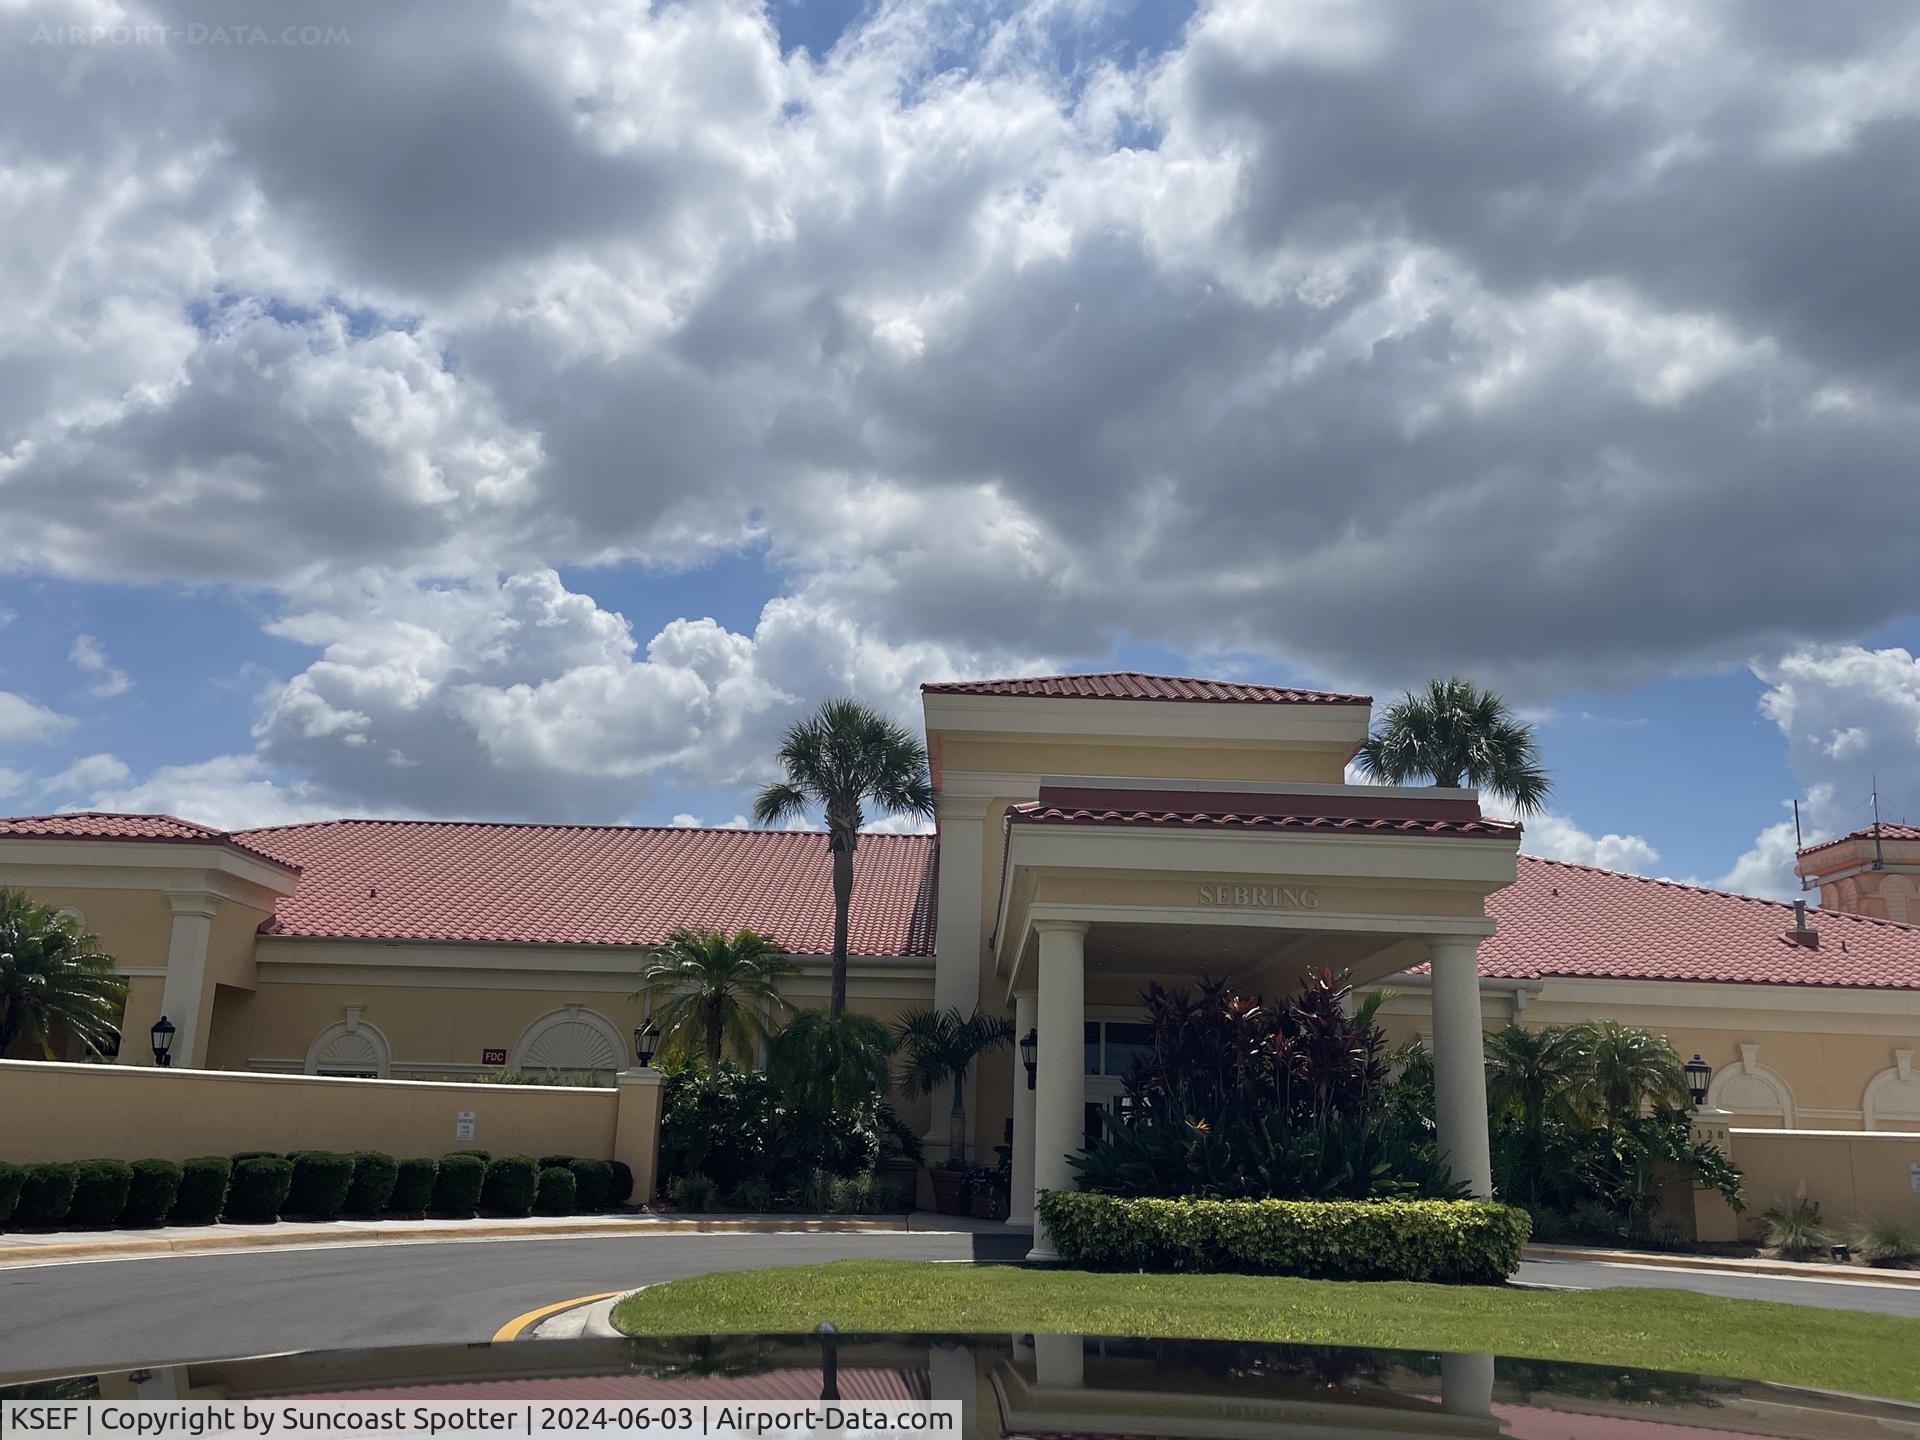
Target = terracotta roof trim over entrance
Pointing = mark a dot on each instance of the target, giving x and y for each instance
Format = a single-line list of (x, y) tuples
[(119, 825), (1039, 813), (1136, 685), (1888, 831)]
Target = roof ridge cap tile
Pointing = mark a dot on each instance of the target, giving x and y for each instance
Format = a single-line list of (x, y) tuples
[(1715, 890)]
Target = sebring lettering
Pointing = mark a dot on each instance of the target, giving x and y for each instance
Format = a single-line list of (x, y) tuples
[(1261, 897)]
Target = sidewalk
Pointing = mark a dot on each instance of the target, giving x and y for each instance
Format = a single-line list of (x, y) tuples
[(60, 1246), (1726, 1265)]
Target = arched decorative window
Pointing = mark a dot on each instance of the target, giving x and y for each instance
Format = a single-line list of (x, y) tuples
[(1751, 1088), (1849, 894), (350, 1047), (1892, 1100), (1896, 891), (571, 1040), (76, 915)]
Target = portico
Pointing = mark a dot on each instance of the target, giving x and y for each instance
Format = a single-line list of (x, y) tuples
[(1102, 893)]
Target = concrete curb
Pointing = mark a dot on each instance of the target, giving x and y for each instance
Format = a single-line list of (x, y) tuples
[(592, 1321), (265, 1237), (1771, 1269)]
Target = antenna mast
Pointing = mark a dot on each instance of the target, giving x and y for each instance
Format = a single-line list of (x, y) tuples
[(1879, 856)]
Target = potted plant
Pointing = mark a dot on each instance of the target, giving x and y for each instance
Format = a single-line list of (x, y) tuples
[(989, 1188), (937, 1046)]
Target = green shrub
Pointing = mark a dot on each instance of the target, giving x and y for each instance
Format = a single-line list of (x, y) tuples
[(257, 1189), (240, 1155), (484, 1156), (1794, 1228), (556, 1191), (321, 1180), (372, 1186), (1597, 1223), (12, 1177), (413, 1182), (754, 1195), (151, 1192), (1881, 1240), (692, 1193), (510, 1185), (456, 1189), (1450, 1241), (593, 1181), (564, 1162), (99, 1193), (858, 1195), (46, 1194), (621, 1192), (816, 1192), (203, 1190)]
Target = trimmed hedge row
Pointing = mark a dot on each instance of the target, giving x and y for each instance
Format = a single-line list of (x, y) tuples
[(1457, 1242), (259, 1187)]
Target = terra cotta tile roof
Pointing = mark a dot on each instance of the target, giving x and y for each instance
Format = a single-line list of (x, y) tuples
[(1133, 685), (595, 885), (1888, 831), (115, 825), (1560, 919)]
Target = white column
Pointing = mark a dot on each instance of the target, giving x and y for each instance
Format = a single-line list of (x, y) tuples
[(1060, 1094), (185, 998), (1020, 1206), (1059, 1362), (1466, 1384), (1460, 1061), (956, 959)]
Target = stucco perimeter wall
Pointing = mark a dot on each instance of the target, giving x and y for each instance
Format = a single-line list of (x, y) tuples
[(82, 1112), (1852, 1174)]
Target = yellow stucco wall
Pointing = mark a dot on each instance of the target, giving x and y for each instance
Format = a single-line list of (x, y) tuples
[(79, 1112), (133, 925), (1852, 1176), (1166, 760)]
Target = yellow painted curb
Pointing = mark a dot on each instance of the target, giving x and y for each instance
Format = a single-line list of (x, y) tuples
[(135, 1247), (1770, 1269), (511, 1330)]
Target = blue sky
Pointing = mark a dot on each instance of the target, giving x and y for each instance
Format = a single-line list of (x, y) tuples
[(539, 430)]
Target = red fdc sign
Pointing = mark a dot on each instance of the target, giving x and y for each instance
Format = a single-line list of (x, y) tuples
[(493, 1057)]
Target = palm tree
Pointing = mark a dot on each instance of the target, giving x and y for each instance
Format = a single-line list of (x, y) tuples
[(713, 990), (1457, 734), (941, 1045), (53, 979), (839, 758), (1537, 1075), (1632, 1068), (830, 1064)]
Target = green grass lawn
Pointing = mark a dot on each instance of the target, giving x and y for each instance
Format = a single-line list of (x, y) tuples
[(1660, 1329)]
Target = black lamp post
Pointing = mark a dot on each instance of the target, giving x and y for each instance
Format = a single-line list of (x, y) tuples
[(162, 1037), (645, 1037), (1029, 1053), (1699, 1073)]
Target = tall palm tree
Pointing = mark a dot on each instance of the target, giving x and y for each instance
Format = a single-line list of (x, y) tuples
[(843, 756), (1457, 734), (54, 978), (714, 991), (1632, 1068), (941, 1045)]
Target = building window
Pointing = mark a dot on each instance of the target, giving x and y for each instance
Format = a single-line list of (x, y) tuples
[(1113, 1045), (350, 1048)]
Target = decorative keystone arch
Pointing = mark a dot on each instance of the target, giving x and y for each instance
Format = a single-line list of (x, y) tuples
[(350, 1047), (570, 1038), (1751, 1088), (1892, 1101)]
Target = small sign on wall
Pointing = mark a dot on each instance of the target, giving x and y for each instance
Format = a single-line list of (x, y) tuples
[(491, 1056), (463, 1125), (1913, 1176)]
